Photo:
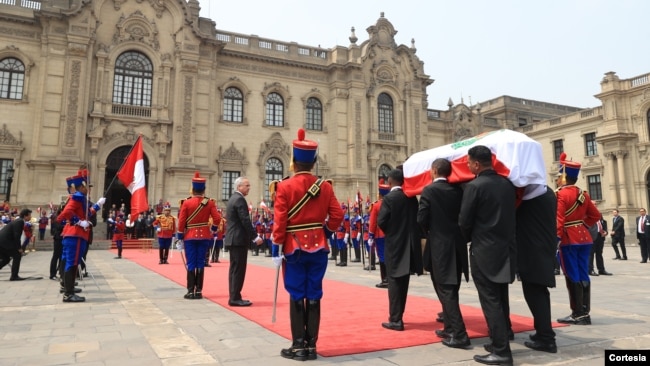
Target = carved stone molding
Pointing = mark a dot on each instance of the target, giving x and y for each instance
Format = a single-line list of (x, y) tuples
[(232, 159), (275, 147), (6, 138), (136, 28)]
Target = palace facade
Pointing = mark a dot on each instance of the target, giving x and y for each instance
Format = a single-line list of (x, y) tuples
[(81, 79)]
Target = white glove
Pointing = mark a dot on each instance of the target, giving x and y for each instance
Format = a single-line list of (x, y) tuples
[(101, 201), (111, 220), (359, 236), (277, 261), (179, 245), (333, 236), (84, 224), (158, 229), (371, 242), (346, 237)]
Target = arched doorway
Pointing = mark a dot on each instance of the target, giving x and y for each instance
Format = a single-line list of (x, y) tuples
[(116, 192)]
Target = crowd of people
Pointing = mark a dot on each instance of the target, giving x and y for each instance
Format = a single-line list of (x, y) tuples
[(485, 226)]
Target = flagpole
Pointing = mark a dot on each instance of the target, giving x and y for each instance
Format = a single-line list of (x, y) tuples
[(120, 168)]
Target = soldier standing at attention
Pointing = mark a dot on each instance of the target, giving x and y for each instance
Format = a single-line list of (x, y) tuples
[(303, 203), (165, 225)]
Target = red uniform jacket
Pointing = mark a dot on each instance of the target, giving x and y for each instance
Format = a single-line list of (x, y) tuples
[(372, 226), (167, 225), (304, 231), (573, 228), (118, 233), (199, 226), (74, 211)]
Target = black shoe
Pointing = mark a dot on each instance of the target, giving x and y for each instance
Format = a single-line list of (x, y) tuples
[(577, 320), (605, 273), (440, 333), (268, 255), (255, 254), (73, 298), (493, 359), (593, 273), (488, 347), (342, 264), (189, 296), (399, 326), (332, 258), (208, 265), (457, 342), (16, 278), (543, 347), (356, 260), (644, 261), (296, 352), (53, 278), (85, 274), (240, 303), (624, 258), (382, 285), (198, 295), (369, 268), (165, 262), (161, 262), (616, 258), (118, 257)]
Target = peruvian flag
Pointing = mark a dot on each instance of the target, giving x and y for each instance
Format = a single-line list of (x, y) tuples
[(264, 207), (514, 156), (132, 176)]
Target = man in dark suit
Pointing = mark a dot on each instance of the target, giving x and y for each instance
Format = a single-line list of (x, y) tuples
[(536, 247), (445, 253), (239, 235), (618, 235), (487, 219), (643, 234), (598, 233), (10, 246), (403, 252)]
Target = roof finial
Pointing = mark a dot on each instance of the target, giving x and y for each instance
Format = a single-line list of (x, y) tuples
[(353, 38)]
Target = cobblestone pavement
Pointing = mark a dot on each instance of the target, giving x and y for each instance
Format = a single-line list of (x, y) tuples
[(135, 317)]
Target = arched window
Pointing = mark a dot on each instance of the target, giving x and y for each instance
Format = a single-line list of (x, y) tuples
[(233, 105), (12, 78), (274, 110), (133, 79), (385, 109), (273, 170), (314, 115), (383, 172)]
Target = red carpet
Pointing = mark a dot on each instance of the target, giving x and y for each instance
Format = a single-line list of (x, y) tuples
[(361, 309)]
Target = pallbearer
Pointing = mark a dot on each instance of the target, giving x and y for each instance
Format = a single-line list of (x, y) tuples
[(195, 230), (302, 204), (165, 225)]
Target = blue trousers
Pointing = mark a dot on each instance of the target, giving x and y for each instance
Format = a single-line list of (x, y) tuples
[(164, 243), (574, 260), (303, 274), (195, 252), (73, 248)]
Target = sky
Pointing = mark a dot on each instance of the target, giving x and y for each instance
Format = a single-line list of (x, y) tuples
[(553, 51)]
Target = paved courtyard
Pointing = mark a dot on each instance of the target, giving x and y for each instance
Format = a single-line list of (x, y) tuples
[(135, 317)]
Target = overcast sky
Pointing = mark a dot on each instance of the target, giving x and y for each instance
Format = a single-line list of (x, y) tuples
[(552, 50)]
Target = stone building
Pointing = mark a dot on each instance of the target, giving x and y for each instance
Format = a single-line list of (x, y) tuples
[(81, 79)]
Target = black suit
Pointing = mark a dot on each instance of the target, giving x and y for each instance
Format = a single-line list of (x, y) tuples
[(10, 245), (618, 236), (536, 248), (445, 253), (598, 236), (239, 234), (403, 252), (487, 219), (644, 237)]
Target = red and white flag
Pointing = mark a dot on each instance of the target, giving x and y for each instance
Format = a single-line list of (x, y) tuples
[(264, 207), (132, 176)]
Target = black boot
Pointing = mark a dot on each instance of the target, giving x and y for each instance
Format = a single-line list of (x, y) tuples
[(585, 318), (576, 301), (161, 254), (199, 283), (371, 264), (334, 252), (382, 273), (297, 350), (68, 280), (344, 257), (191, 284), (119, 253), (165, 255), (357, 256), (215, 255), (312, 327)]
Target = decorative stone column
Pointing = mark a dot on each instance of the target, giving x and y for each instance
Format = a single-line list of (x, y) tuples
[(611, 178), (620, 160)]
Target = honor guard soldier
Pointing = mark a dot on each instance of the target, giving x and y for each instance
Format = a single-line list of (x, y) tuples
[(575, 214), (195, 230), (300, 233), (355, 233), (165, 225), (76, 230), (376, 235), (218, 237), (119, 228), (342, 237)]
